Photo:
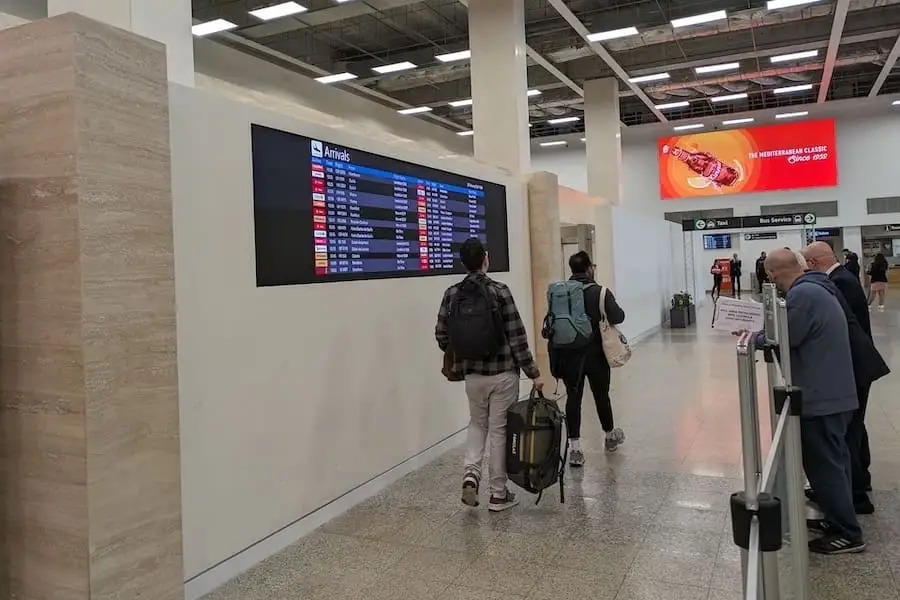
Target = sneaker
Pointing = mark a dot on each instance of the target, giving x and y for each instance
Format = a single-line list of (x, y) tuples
[(505, 503), (818, 525), (833, 545), (576, 458), (614, 439), (470, 489), (881, 307)]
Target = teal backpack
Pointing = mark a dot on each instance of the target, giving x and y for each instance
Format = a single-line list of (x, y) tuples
[(567, 325)]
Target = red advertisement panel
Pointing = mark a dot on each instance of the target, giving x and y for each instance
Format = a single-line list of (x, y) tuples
[(739, 161)]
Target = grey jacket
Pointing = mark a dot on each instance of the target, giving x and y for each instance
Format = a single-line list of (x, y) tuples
[(821, 363)]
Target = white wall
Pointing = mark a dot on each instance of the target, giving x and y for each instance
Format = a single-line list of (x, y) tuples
[(291, 396)]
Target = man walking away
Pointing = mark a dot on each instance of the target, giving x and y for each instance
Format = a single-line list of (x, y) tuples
[(868, 366), (822, 368), (574, 366), (736, 272), (479, 322), (761, 275), (851, 262)]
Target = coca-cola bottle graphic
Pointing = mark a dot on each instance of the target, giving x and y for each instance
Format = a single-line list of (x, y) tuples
[(706, 165)]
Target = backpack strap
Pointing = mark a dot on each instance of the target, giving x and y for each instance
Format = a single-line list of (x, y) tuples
[(603, 293)]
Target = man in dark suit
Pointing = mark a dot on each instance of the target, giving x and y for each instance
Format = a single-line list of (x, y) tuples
[(868, 365)]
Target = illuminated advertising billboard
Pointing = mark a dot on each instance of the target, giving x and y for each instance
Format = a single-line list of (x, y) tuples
[(786, 156)]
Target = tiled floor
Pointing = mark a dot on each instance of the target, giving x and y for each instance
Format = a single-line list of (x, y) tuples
[(648, 523)]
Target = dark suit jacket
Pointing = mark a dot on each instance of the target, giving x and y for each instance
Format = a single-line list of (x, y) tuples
[(852, 290)]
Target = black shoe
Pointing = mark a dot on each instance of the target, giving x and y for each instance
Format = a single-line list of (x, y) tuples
[(833, 545), (818, 525), (810, 494), (863, 506)]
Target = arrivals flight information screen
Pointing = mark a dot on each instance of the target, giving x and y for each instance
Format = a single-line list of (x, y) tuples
[(326, 212)]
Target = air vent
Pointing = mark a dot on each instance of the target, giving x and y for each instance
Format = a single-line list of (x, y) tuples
[(881, 206), (692, 215), (820, 209)]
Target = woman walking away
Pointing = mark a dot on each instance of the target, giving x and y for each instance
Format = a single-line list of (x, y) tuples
[(878, 279), (716, 272)]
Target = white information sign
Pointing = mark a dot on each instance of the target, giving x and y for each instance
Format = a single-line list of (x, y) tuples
[(737, 315)]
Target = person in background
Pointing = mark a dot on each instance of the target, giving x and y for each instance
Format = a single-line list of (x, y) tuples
[(822, 366), (490, 347), (878, 279), (851, 262), (574, 366), (736, 271), (716, 271), (868, 366), (761, 275)]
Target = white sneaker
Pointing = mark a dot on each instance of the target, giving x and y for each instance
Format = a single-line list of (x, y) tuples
[(881, 307), (576, 458), (501, 504), (614, 439)]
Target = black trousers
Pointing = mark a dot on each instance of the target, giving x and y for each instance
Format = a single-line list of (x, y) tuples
[(717, 286), (735, 285), (858, 442), (760, 280), (593, 368), (826, 460)]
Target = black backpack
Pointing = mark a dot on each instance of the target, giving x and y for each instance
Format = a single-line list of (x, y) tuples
[(535, 454), (475, 324)]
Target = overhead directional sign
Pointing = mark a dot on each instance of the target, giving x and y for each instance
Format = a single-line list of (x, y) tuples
[(762, 235), (793, 219)]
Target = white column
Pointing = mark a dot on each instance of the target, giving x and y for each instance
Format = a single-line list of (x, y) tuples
[(852, 240), (500, 83), (604, 165), (166, 21)]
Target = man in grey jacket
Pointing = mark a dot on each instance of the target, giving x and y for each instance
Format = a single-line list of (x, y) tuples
[(822, 367)]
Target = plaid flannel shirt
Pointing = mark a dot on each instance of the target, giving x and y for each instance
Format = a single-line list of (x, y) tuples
[(515, 354)]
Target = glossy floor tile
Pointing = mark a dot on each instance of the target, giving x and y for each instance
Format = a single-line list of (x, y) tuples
[(647, 523)]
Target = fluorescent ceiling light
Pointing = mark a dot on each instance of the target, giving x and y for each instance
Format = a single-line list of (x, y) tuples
[(415, 110), (717, 68), (583, 139), (792, 88), (613, 34), (673, 105), (454, 56), (211, 27), (700, 19), (777, 4), (534, 93), (794, 56), (791, 115), (646, 78), (686, 127), (465, 133), (728, 97), (458, 103), (549, 144), (277, 11), (738, 121), (393, 68), (562, 120), (336, 78), (895, 103)]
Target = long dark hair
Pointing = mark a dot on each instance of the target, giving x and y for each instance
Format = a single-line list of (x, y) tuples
[(880, 261)]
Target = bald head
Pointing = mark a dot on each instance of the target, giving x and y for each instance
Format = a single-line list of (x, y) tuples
[(820, 257), (784, 267)]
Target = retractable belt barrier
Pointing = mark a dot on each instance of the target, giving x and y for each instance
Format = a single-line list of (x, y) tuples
[(771, 510)]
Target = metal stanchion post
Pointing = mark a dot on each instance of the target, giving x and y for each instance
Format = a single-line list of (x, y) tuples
[(770, 304)]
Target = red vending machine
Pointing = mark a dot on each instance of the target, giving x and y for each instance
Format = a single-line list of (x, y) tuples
[(727, 284)]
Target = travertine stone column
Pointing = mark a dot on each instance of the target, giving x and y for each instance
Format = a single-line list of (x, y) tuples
[(546, 251), (89, 445)]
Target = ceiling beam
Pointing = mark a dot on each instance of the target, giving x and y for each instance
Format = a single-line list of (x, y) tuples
[(600, 51), (834, 42), (889, 63)]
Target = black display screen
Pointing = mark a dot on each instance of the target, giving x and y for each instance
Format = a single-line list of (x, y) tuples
[(717, 241), (325, 212)]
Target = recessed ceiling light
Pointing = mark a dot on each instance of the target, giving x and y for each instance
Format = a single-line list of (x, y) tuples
[(777, 4), (738, 121), (277, 11), (895, 103), (686, 127), (791, 115), (794, 56), (336, 78), (717, 68), (393, 68), (792, 88), (681, 104), (583, 139), (534, 93), (646, 78), (700, 19), (465, 133), (211, 27), (562, 120), (458, 103), (613, 34), (549, 144), (454, 56), (415, 110), (728, 98)]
